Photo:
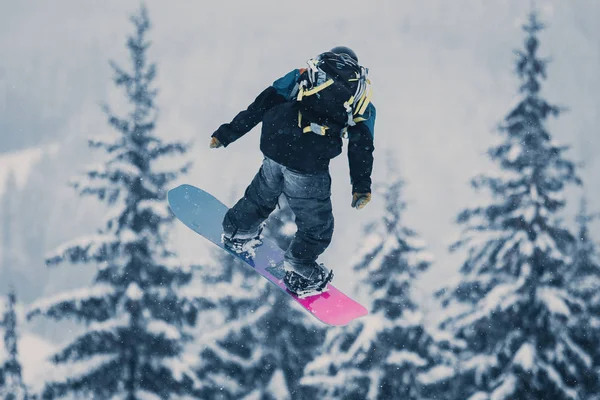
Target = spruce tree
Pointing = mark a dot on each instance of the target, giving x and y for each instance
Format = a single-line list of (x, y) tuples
[(226, 354), (11, 380), (135, 319), (584, 282), (511, 306), (387, 354), (261, 349), (290, 337)]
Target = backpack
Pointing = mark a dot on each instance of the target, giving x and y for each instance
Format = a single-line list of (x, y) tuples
[(332, 94)]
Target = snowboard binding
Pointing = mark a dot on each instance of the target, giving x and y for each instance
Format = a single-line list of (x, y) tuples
[(243, 246), (305, 287)]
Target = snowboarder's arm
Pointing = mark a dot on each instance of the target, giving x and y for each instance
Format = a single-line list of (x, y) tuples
[(275, 94), (249, 118), (360, 152)]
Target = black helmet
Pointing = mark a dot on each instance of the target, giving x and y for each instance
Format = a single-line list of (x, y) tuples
[(345, 50)]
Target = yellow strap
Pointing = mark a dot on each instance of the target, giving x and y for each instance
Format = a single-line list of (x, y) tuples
[(348, 104), (299, 119), (318, 88), (345, 130), (308, 129), (300, 93), (359, 103), (363, 108)]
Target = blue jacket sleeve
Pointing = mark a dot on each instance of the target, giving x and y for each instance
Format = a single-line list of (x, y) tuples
[(244, 121), (360, 152)]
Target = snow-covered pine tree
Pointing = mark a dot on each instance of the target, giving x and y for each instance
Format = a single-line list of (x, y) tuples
[(260, 350), (584, 281), (289, 336), (512, 282), (234, 302), (226, 354), (11, 380), (135, 319), (383, 355)]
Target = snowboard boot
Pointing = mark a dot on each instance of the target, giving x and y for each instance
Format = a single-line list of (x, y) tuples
[(243, 245), (306, 280)]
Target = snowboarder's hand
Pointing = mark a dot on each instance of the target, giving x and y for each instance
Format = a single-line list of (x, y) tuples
[(359, 200), (214, 143)]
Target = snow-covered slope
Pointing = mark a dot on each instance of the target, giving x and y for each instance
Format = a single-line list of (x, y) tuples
[(20, 164)]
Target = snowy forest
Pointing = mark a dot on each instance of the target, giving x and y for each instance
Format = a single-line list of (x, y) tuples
[(478, 258)]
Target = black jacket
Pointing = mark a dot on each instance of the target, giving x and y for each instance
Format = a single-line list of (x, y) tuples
[(284, 142)]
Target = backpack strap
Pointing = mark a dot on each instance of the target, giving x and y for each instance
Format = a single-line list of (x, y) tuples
[(316, 128), (294, 91), (344, 132), (310, 92), (348, 106), (365, 99)]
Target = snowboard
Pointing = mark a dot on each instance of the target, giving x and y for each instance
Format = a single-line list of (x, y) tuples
[(203, 213)]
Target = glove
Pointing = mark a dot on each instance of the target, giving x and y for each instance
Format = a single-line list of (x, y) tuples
[(359, 200), (214, 143)]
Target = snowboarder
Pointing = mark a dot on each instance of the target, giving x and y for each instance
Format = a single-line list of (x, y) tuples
[(305, 114)]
